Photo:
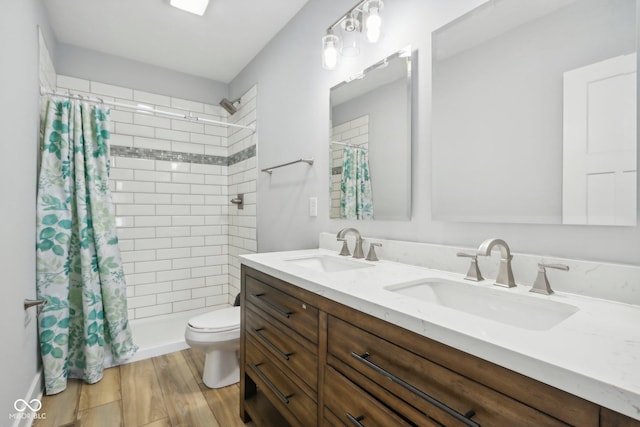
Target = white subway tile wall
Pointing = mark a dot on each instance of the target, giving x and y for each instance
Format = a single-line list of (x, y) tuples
[(48, 77), (179, 238), (354, 132), (47, 72), (242, 179)]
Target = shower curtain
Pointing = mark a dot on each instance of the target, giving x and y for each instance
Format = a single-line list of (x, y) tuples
[(355, 194), (83, 327)]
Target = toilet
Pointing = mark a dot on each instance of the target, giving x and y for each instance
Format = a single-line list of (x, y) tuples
[(217, 333)]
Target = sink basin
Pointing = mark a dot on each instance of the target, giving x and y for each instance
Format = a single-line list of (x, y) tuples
[(522, 311), (328, 264)]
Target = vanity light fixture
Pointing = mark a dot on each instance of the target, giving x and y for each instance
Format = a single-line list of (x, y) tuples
[(330, 51), (373, 22), (363, 17), (197, 7), (351, 35)]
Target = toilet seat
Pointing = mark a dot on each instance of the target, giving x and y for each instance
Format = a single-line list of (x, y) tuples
[(226, 319)]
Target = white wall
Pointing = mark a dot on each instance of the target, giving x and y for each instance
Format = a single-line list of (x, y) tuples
[(293, 116), (19, 118), (294, 113), (89, 64)]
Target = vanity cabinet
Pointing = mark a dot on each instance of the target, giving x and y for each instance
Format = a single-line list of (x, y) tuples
[(307, 361), (279, 354)]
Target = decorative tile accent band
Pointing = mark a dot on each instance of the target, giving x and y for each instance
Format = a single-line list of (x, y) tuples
[(245, 154), (174, 156)]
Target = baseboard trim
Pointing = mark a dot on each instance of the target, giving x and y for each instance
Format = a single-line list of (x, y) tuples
[(26, 417), (158, 350)]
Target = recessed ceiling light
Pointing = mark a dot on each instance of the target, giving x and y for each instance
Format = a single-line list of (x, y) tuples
[(193, 6)]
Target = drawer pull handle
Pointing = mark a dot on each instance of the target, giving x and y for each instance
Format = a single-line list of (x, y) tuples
[(282, 312), (356, 421), (282, 354), (272, 386), (465, 419)]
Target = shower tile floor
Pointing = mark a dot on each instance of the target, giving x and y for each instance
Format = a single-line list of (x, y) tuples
[(165, 391)]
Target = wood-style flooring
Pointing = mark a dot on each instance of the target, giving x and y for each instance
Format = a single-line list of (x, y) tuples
[(165, 391)]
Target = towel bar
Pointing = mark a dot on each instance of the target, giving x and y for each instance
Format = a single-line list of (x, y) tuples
[(270, 170)]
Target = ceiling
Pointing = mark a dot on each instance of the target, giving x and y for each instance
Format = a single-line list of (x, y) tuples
[(216, 46)]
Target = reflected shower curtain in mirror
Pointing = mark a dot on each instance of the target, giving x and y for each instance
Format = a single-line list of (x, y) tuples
[(355, 187), (83, 327)]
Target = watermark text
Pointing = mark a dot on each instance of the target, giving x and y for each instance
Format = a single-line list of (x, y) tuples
[(21, 406)]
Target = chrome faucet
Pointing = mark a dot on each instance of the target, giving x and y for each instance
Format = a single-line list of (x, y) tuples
[(505, 273), (341, 236)]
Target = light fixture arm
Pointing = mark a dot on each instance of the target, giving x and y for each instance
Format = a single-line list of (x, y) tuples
[(357, 7)]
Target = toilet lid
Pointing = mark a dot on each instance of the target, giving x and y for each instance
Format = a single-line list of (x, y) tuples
[(224, 319)]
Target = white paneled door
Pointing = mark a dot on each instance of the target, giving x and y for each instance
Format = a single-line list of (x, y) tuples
[(599, 143)]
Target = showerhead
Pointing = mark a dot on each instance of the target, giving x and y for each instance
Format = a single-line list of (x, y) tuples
[(229, 105)]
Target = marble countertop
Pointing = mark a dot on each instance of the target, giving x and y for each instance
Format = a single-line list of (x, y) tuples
[(594, 354)]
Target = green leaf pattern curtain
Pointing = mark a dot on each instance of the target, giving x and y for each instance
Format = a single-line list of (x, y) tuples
[(83, 328), (355, 186)]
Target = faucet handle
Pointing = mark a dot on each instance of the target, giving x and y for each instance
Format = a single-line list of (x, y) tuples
[(372, 256), (473, 273), (467, 255), (543, 266), (541, 284), (345, 247)]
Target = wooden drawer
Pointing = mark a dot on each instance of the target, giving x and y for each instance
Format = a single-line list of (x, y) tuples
[(296, 314), (330, 420), (609, 418), (294, 404), (345, 403), (288, 352), (389, 372)]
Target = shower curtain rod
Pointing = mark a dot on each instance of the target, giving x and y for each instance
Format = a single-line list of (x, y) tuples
[(344, 144), (144, 109)]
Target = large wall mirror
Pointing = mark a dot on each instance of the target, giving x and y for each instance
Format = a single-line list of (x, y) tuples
[(535, 112), (370, 145)]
